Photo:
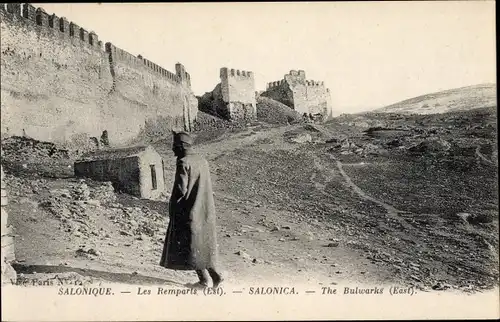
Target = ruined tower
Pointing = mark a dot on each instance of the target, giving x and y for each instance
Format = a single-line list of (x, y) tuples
[(302, 95), (233, 98)]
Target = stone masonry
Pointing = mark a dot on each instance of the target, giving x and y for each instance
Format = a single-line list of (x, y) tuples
[(60, 81), (302, 95), (8, 255), (233, 98), (62, 84)]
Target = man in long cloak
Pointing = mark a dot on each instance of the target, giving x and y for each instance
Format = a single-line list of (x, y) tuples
[(191, 241)]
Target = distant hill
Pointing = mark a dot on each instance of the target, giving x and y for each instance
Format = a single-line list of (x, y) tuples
[(457, 99)]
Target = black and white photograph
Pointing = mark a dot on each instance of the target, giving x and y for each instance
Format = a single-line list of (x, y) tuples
[(249, 161)]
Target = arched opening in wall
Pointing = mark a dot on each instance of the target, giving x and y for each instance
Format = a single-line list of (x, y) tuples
[(38, 19)]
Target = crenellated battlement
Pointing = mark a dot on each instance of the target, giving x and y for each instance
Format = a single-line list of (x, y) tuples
[(301, 94), (275, 84), (184, 77), (314, 83), (106, 85), (293, 76), (120, 55), (296, 77), (28, 14), (226, 72), (235, 95), (300, 73)]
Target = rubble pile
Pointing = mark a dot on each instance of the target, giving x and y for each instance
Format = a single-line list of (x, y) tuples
[(17, 186), (208, 127), (23, 148), (430, 146), (104, 192), (308, 133), (81, 191), (82, 206), (348, 147), (137, 221), (31, 158), (207, 122)]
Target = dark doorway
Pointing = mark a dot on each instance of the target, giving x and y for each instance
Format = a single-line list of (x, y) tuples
[(153, 176)]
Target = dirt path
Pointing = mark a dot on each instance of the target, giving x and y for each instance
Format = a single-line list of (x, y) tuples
[(482, 156), (391, 211)]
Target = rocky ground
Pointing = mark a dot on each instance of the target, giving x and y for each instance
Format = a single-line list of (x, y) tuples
[(374, 199)]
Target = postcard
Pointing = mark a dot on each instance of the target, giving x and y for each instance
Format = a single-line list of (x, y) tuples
[(249, 161)]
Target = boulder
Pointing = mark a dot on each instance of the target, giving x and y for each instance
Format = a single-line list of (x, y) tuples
[(430, 146), (302, 138)]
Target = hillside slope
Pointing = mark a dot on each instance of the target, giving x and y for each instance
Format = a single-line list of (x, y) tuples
[(274, 112), (457, 99)]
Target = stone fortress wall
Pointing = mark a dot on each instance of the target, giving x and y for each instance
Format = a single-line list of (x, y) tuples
[(300, 94), (8, 250), (60, 84), (238, 93), (233, 98)]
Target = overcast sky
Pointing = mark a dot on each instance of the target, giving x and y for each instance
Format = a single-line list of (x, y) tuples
[(370, 54)]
